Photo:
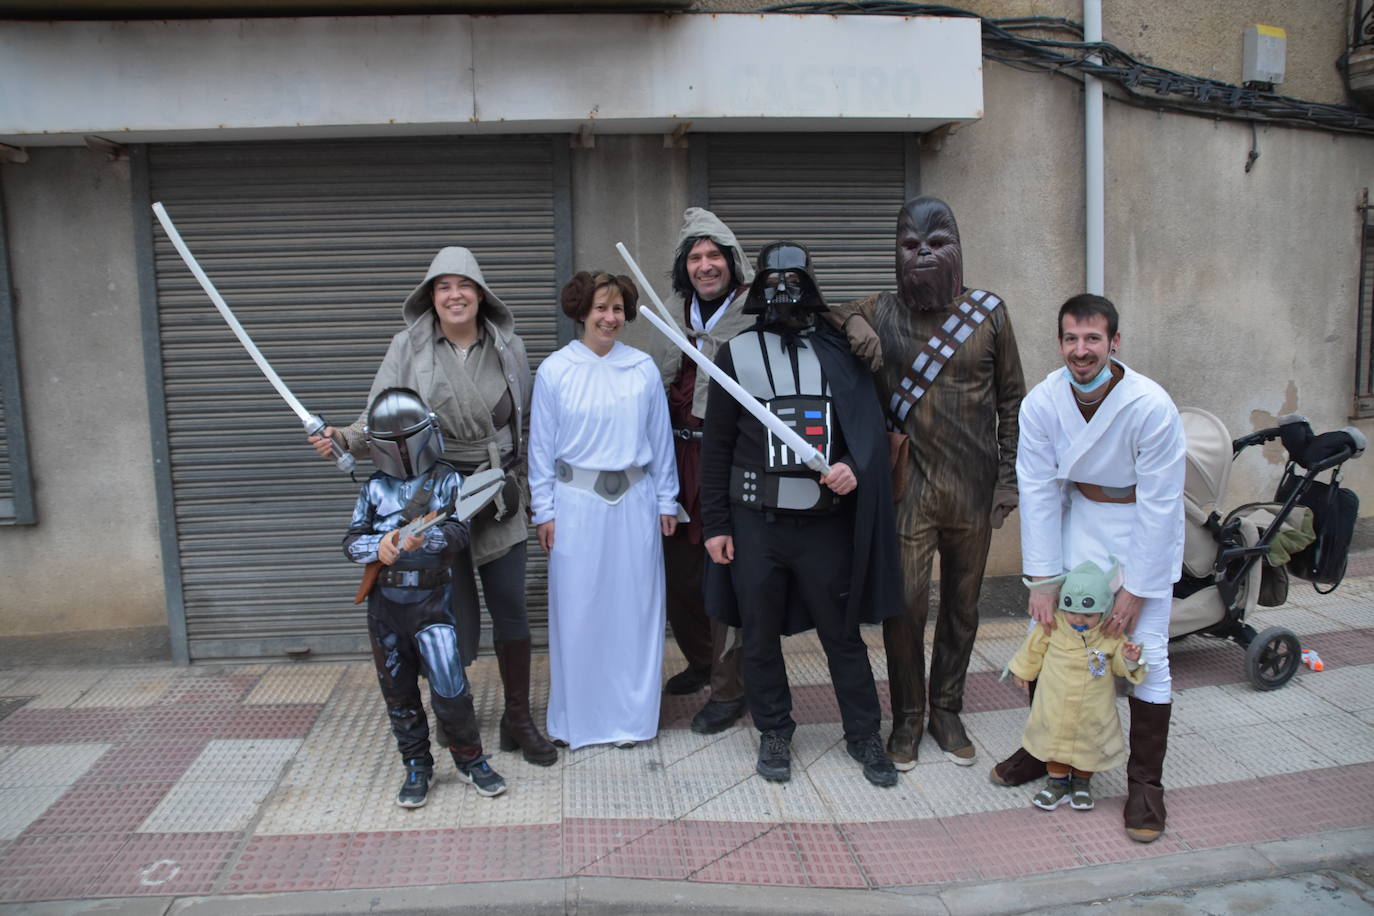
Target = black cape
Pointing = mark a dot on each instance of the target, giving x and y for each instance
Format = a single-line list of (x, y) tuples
[(875, 592)]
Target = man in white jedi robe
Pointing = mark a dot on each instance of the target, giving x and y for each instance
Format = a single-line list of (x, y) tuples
[(1100, 469)]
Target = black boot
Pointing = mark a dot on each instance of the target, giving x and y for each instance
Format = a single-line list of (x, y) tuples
[(1145, 814), (517, 727)]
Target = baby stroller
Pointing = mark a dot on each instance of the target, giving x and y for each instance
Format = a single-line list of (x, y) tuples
[(1235, 562)]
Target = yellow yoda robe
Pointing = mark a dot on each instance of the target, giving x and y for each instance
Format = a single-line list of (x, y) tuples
[(1073, 719)]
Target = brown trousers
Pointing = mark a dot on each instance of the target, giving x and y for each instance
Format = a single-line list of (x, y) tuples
[(963, 552), (701, 638)]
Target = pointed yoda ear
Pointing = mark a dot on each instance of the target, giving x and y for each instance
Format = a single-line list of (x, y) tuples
[(1046, 585), (1116, 576)]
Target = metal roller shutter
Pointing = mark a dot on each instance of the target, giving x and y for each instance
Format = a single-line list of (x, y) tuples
[(314, 246), (838, 194)]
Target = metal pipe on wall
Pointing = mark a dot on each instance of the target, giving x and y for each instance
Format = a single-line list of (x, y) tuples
[(1094, 222)]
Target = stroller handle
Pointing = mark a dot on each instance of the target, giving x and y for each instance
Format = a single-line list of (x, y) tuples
[(1313, 453)]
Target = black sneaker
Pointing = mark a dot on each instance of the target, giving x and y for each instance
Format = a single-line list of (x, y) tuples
[(775, 757), (416, 787), (878, 768), (477, 771)]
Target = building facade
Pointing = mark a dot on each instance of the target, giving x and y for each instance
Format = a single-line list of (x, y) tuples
[(159, 491)]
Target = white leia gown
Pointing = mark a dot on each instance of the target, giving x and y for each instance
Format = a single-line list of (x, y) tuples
[(606, 587)]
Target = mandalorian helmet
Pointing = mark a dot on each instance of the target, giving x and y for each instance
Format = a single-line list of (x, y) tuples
[(783, 282), (403, 436)]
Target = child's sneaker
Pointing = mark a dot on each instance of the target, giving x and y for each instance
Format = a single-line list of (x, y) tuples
[(477, 771), (1055, 793), (1080, 793), (416, 787)]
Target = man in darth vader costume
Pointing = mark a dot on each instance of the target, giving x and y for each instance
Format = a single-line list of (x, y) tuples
[(950, 382), (790, 550), (410, 623)]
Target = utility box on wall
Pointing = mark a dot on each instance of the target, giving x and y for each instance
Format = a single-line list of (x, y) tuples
[(1265, 50)]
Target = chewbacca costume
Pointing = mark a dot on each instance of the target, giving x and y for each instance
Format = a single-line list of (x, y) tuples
[(962, 434)]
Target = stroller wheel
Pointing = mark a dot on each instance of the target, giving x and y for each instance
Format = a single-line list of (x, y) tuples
[(1272, 658)]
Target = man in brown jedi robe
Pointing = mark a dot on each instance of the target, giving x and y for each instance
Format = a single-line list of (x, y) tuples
[(711, 275), (950, 380)]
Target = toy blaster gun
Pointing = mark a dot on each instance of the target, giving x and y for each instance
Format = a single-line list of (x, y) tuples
[(476, 493)]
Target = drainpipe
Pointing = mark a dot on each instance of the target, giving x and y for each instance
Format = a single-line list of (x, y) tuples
[(1093, 181)]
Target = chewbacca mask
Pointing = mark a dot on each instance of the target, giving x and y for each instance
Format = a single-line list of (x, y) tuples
[(930, 261)]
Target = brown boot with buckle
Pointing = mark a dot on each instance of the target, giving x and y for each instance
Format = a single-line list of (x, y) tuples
[(517, 728), (1145, 814)]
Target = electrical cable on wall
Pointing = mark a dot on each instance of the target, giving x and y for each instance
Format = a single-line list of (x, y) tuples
[(1135, 82)]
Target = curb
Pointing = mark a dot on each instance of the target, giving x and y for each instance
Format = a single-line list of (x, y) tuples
[(1085, 885)]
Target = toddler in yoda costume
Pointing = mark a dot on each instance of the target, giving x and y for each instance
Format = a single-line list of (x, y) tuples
[(1073, 723)]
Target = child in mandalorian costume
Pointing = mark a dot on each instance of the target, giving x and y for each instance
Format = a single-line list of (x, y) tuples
[(409, 618), (1073, 725)]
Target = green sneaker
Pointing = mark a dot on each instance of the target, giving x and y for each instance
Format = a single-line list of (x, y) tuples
[(1055, 793), (1080, 793)]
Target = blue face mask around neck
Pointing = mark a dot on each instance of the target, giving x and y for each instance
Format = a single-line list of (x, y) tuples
[(1098, 381)]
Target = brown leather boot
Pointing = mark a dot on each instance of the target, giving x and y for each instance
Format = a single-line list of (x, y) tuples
[(517, 728), (1145, 814), (1020, 768)]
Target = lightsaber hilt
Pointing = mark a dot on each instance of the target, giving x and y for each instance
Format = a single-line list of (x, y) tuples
[(343, 460)]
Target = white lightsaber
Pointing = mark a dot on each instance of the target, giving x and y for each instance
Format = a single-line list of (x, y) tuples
[(789, 436), (313, 423)]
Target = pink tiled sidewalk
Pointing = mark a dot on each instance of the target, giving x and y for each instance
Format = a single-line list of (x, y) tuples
[(122, 782)]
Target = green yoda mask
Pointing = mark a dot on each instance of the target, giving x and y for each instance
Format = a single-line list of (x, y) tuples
[(1085, 589)]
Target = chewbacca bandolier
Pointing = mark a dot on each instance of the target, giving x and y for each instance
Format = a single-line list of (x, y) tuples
[(951, 381)]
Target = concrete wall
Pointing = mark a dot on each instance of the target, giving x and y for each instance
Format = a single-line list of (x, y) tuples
[(1201, 38), (92, 562), (631, 190)]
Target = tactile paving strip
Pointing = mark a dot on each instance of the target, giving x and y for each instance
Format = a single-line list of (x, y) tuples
[(296, 685), (609, 794), (588, 840), (848, 796), (1009, 844), (769, 859), (1205, 709), (49, 764), (509, 853), (655, 854), (32, 725), (145, 761), (212, 685), (21, 807), (269, 722), (951, 790), (55, 867), (241, 760), (1099, 837), (207, 807), (272, 864), (126, 687), (1198, 760), (1344, 738), (907, 853), (55, 688), (826, 859), (1348, 689), (101, 808), (388, 859), (312, 809), (166, 864), (1290, 702)]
